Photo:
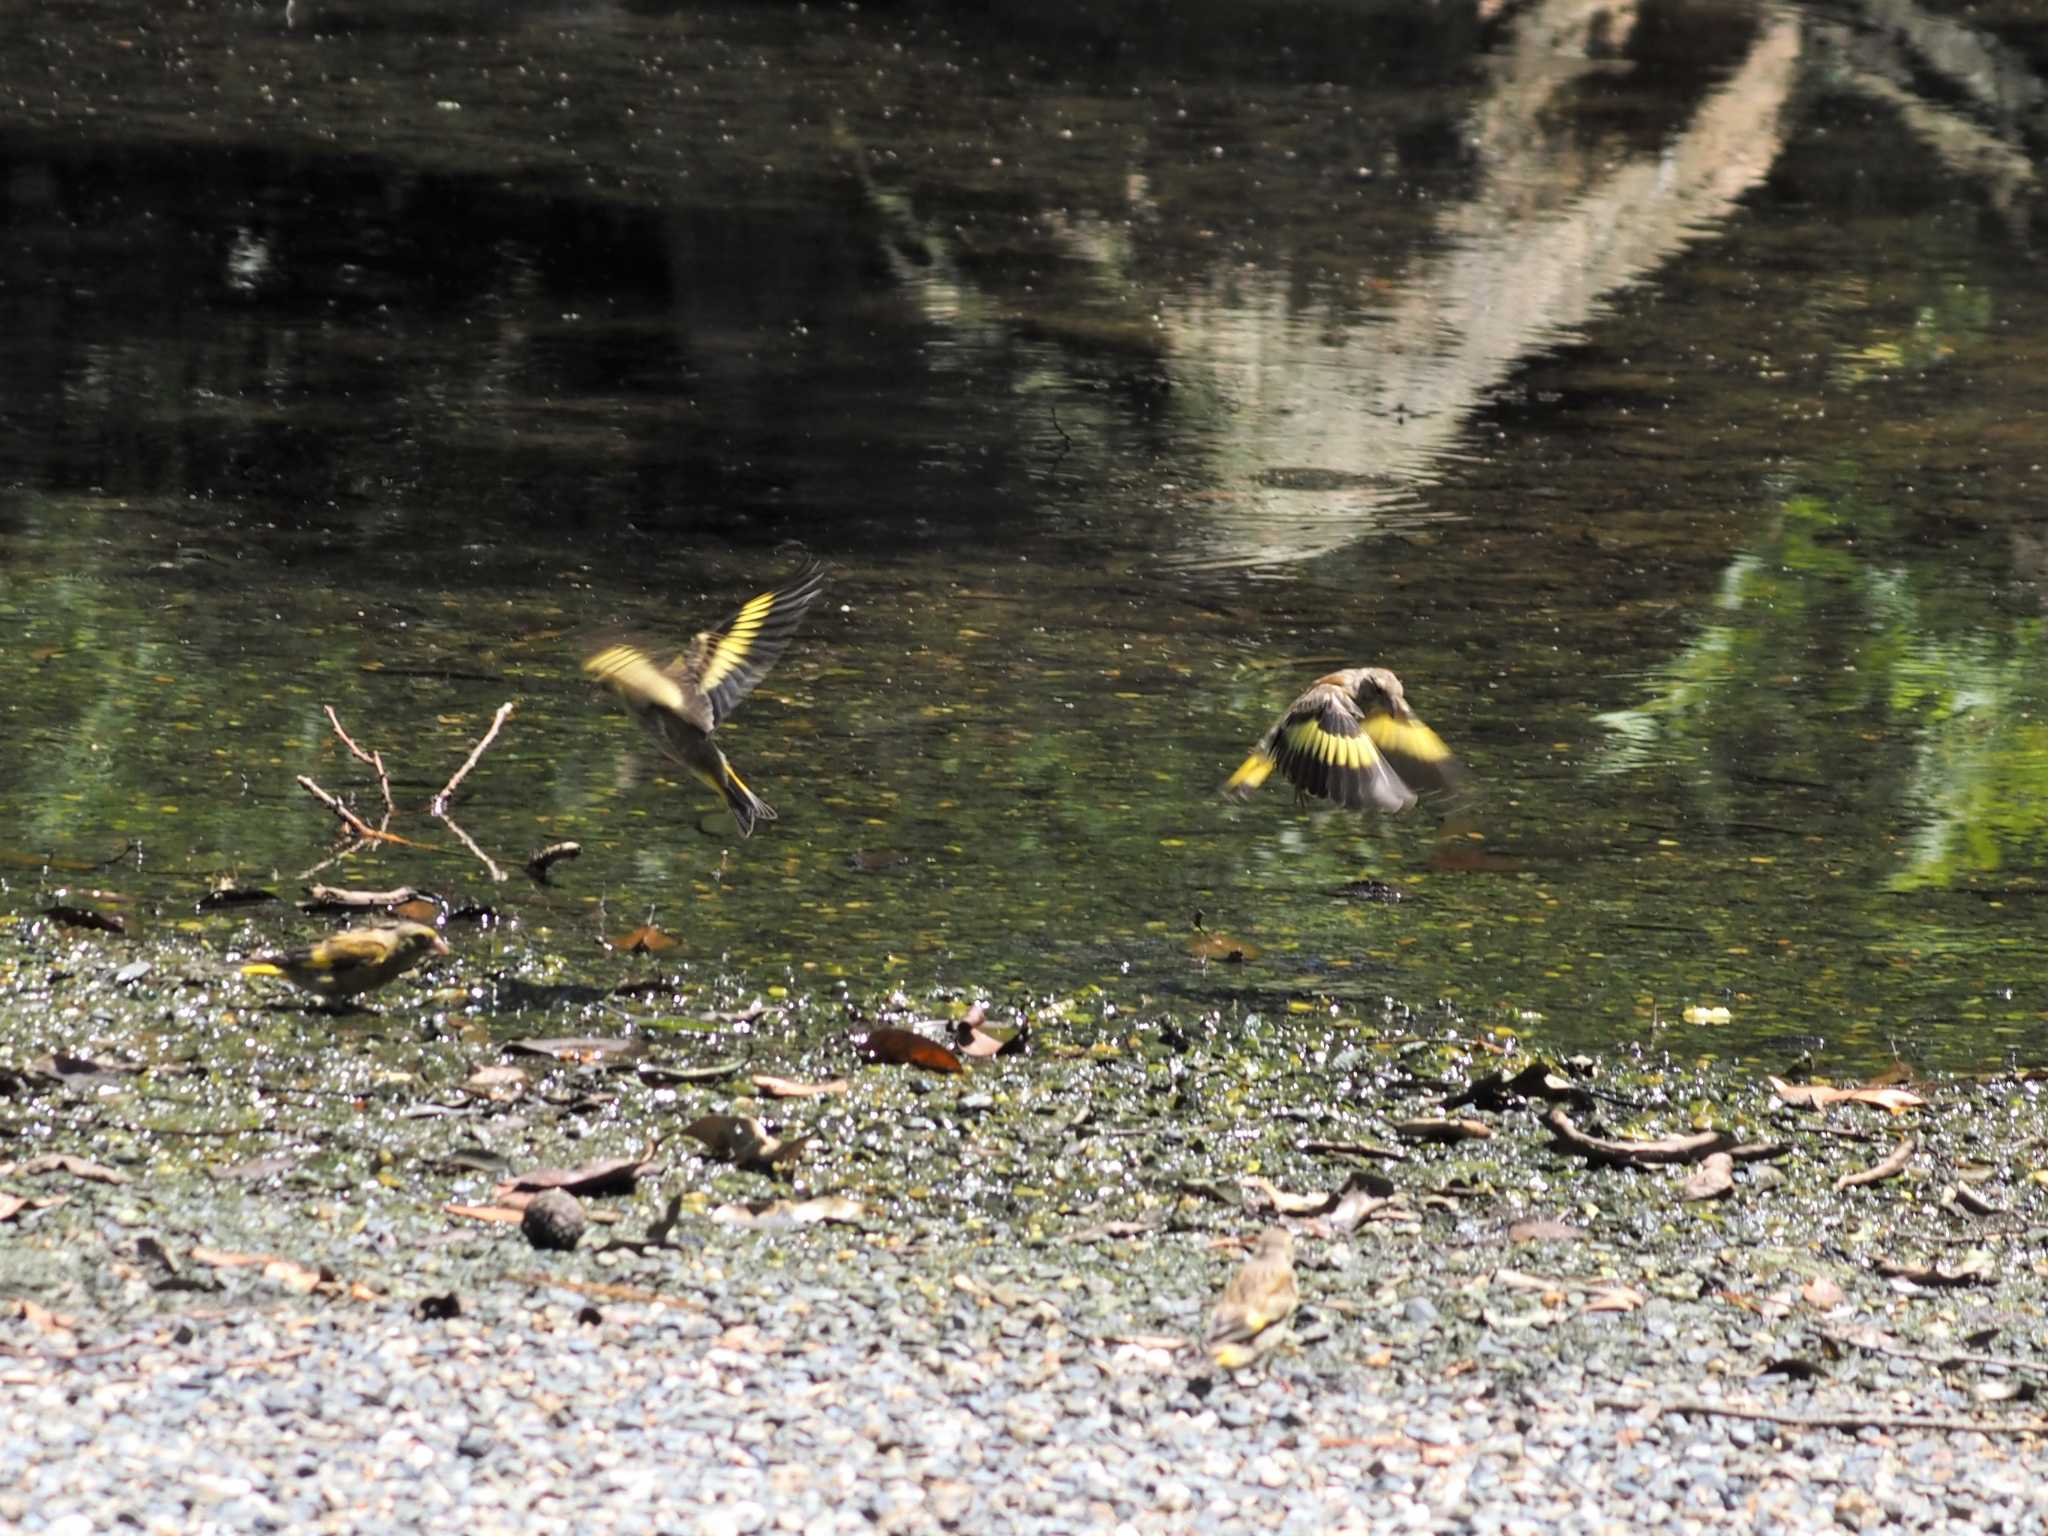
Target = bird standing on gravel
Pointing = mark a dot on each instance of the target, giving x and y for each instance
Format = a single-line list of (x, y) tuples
[(1350, 738), (1252, 1316), (683, 699), (354, 960)]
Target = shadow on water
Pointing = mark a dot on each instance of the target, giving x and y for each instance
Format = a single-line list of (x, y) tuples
[(1653, 387)]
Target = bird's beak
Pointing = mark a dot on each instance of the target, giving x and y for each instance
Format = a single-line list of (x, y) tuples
[(440, 945)]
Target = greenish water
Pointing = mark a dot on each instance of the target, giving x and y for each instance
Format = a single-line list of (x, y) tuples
[(1669, 424)]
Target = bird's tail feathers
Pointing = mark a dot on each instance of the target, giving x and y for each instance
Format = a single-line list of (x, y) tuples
[(747, 807)]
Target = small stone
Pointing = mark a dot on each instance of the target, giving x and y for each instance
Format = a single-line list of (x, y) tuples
[(554, 1220)]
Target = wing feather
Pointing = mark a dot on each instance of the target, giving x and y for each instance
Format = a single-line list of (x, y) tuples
[(731, 659)]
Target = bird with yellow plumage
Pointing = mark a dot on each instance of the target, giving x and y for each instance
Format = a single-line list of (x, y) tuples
[(681, 697), (1351, 739)]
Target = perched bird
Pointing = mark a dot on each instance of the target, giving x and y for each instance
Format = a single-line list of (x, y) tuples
[(1353, 739), (1252, 1316), (683, 698), (354, 960)]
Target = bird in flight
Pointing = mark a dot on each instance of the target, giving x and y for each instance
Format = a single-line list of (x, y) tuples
[(682, 697)]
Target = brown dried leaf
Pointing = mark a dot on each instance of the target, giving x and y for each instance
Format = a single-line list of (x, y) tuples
[(1262, 1196), (1711, 1180), (500, 1084), (743, 1141), (1822, 1294), (1439, 1128), (790, 1213), (616, 1176), (1614, 1298), (1544, 1229), (77, 1167), (505, 1215), (1634, 1154), (1972, 1271), (905, 1048), (792, 1088), (1819, 1095), (586, 1050), (42, 1319), (646, 940)]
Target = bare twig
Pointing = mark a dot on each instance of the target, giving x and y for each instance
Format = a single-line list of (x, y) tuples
[(1634, 1154), (1881, 1344), (1833, 1420), (349, 818), (1893, 1164), (440, 805), (374, 759), (469, 842), (321, 897)]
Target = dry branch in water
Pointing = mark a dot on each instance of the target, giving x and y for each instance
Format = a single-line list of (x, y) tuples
[(440, 805)]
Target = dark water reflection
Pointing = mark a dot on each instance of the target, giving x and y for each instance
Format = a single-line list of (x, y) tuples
[(1656, 387)]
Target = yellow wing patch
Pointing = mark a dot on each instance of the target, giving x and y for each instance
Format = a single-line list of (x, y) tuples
[(1251, 773), (736, 641), (1310, 739), (633, 673), (1407, 738)]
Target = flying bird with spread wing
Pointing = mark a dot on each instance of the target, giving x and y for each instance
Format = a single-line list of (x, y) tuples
[(1350, 738), (682, 697)]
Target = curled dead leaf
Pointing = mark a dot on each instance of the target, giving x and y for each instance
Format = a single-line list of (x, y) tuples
[(1893, 1100), (790, 1213), (586, 1050), (793, 1088), (906, 1048), (1438, 1128), (646, 939), (616, 1176), (1713, 1179), (743, 1141)]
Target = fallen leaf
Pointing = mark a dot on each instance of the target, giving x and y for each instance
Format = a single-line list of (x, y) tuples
[(77, 1167), (42, 1319), (1711, 1180), (791, 1088), (616, 1176), (505, 1215), (905, 1048), (790, 1213), (1822, 1294), (1437, 1128), (644, 940), (586, 1050), (658, 1076), (499, 1084), (1262, 1196), (1543, 1229), (1614, 1298), (1819, 1095), (743, 1141), (87, 918)]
